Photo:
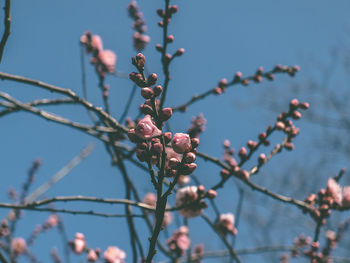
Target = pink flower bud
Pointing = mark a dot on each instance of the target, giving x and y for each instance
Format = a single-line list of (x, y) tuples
[(296, 115), (170, 39), (195, 142), (141, 60), (238, 76), (159, 47), (188, 168), (146, 109), (294, 103), (152, 79), (145, 129), (173, 163), (160, 12), (189, 157), (165, 114), (157, 147), (280, 125), (289, 146), (180, 52), (108, 58), (157, 90), (173, 9), (79, 243), (147, 93), (167, 137), (211, 193), (181, 143), (18, 245), (304, 105)]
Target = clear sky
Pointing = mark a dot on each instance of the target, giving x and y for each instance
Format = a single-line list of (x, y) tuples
[(220, 38)]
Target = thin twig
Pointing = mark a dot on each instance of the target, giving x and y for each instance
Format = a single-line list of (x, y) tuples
[(7, 26)]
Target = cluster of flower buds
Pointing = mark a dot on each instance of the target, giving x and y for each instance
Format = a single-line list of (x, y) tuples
[(286, 125), (190, 200), (225, 224), (300, 242), (140, 38), (111, 255), (286, 69), (50, 223), (221, 87), (151, 200), (229, 159), (198, 126), (104, 60), (166, 16), (334, 197), (257, 77), (180, 241), (313, 255)]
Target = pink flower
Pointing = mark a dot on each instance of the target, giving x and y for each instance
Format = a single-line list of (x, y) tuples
[(18, 245), (96, 43), (225, 224), (79, 243), (179, 242), (334, 189), (346, 197), (187, 196), (108, 59), (145, 129), (114, 255), (52, 221), (181, 143)]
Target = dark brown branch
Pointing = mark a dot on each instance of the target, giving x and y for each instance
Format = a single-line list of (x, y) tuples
[(7, 26), (67, 92)]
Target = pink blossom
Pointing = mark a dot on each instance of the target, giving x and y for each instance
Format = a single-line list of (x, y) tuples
[(79, 243), (334, 189), (179, 242), (108, 59), (181, 143), (225, 224), (145, 129), (96, 43), (346, 197), (187, 196), (114, 255), (18, 245), (52, 221)]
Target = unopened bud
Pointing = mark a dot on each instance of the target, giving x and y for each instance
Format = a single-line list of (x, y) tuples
[(165, 114), (190, 157), (157, 90), (147, 93)]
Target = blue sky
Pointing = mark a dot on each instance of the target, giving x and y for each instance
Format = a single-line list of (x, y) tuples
[(219, 37)]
